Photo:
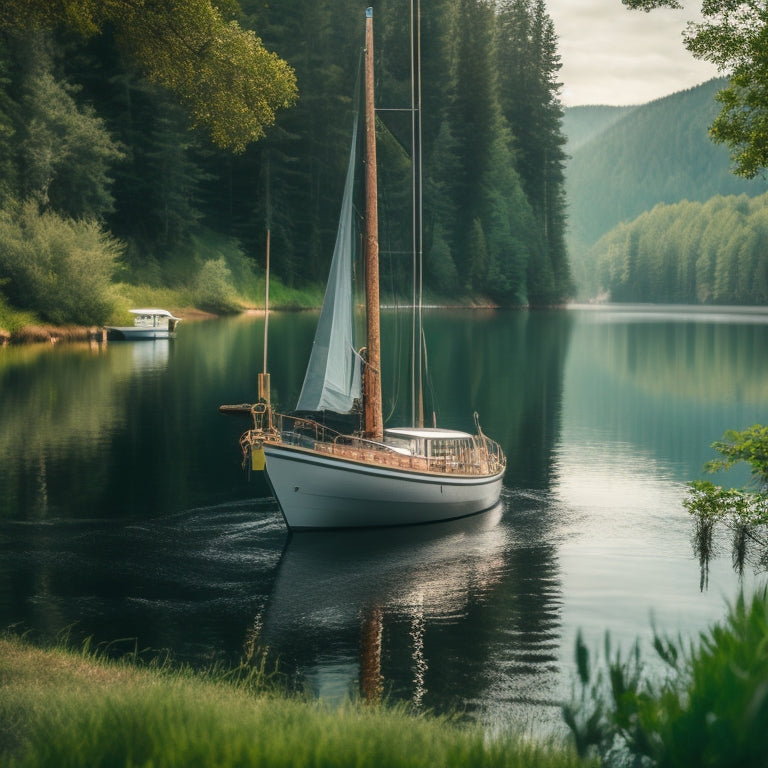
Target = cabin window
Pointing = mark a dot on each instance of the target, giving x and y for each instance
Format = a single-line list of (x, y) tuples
[(150, 321), (401, 445)]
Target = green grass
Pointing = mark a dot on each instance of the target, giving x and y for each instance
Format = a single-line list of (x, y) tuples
[(282, 297), (59, 708), (13, 320), (62, 709), (133, 296), (184, 299)]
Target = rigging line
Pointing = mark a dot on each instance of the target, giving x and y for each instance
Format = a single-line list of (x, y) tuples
[(359, 78), (417, 397), (420, 202), (388, 220), (414, 416), (396, 366), (428, 377), (387, 262)]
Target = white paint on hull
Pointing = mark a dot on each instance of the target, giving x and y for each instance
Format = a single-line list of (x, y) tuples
[(316, 491), (130, 332)]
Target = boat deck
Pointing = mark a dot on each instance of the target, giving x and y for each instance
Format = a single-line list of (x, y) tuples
[(446, 453)]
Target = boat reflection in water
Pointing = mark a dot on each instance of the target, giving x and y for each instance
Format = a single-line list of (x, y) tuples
[(151, 355), (336, 593)]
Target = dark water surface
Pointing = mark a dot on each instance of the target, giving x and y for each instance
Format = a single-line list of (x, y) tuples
[(125, 516)]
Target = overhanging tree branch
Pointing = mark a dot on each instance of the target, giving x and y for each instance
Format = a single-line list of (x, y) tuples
[(225, 77)]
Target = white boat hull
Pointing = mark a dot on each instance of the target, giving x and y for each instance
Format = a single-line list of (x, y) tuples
[(131, 333), (316, 491), (148, 323)]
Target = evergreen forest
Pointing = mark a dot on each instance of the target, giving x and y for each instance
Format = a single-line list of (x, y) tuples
[(689, 253), (623, 165), (582, 124), (106, 180)]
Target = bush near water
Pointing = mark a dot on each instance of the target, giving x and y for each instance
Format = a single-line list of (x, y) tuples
[(61, 708), (711, 709), (70, 276)]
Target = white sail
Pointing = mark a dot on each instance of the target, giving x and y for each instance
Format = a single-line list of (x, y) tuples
[(332, 380)]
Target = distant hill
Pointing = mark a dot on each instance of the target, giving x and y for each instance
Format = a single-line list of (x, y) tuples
[(626, 160), (581, 124)]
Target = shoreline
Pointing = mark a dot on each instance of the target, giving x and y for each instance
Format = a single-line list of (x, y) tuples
[(49, 333)]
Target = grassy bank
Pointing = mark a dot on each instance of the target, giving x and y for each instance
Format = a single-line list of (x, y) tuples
[(20, 327), (64, 709), (61, 279), (60, 708), (43, 298)]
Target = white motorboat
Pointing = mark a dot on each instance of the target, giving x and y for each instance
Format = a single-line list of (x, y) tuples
[(147, 324)]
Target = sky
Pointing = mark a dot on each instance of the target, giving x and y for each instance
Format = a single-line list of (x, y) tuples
[(611, 55)]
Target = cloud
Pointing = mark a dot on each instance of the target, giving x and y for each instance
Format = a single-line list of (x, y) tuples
[(611, 55)]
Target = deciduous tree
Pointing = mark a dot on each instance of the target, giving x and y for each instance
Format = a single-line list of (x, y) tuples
[(229, 82)]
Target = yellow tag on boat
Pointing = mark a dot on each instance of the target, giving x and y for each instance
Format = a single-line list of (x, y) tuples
[(258, 460)]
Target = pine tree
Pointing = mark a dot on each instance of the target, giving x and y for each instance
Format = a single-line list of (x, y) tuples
[(65, 150), (492, 184), (8, 170), (474, 119), (528, 65)]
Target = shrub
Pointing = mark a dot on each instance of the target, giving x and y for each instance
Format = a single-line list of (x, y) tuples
[(743, 510), (12, 320), (59, 268), (711, 709), (213, 288)]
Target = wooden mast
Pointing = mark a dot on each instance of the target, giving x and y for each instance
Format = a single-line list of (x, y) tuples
[(374, 422)]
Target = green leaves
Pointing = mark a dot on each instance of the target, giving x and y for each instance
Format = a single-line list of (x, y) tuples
[(743, 511), (231, 85), (585, 715), (615, 707), (735, 38), (749, 445), (60, 268), (733, 505), (649, 5), (711, 709)]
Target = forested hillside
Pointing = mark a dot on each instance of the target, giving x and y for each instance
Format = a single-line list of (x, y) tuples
[(582, 124), (86, 142), (659, 153), (689, 253)]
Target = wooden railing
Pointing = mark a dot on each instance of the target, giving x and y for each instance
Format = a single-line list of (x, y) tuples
[(485, 456)]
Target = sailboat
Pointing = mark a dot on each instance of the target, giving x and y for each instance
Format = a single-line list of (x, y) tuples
[(327, 475)]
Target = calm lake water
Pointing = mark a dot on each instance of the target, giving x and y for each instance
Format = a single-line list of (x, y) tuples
[(125, 515)]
